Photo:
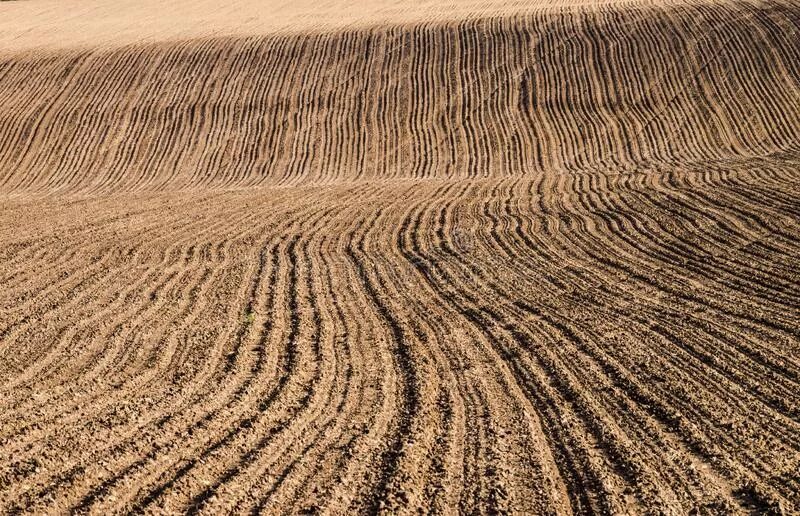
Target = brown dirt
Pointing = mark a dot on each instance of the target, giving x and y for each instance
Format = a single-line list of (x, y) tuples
[(451, 257)]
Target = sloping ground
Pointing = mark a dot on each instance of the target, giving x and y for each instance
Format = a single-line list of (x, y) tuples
[(541, 260), (614, 89)]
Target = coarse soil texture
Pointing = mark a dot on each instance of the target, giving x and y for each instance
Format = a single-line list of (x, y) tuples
[(385, 256)]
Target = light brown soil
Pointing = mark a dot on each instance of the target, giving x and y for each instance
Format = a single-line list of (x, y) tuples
[(448, 256)]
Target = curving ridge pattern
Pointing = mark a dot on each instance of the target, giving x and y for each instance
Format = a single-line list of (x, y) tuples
[(615, 89), (542, 260)]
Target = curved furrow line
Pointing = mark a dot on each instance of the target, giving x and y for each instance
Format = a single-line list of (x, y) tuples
[(687, 259), (297, 420), (684, 324), (105, 416), (233, 390), (371, 401), (129, 297), (163, 262), (414, 484), (543, 465), (327, 432), (303, 422), (162, 422), (408, 402), (98, 260), (472, 256), (289, 361), (239, 392), (624, 237), (570, 474), (77, 297), (307, 393), (566, 332)]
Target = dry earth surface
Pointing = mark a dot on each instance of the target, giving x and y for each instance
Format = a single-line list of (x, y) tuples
[(449, 256)]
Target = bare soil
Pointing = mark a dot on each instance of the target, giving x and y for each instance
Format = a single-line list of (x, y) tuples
[(477, 257)]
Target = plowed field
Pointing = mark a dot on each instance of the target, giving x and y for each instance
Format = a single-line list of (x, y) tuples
[(381, 256)]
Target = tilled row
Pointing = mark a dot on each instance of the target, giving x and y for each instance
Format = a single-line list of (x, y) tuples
[(555, 90), (595, 344), (542, 262)]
